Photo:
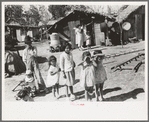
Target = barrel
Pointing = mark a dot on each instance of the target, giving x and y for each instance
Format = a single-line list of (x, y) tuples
[(54, 40)]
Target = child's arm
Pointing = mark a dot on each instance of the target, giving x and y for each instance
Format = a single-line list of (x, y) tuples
[(62, 65), (80, 64), (94, 63)]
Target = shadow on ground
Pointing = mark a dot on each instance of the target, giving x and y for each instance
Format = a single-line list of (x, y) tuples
[(111, 90), (132, 94)]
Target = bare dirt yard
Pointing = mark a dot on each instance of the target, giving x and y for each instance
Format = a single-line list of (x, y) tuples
[(125, 85)]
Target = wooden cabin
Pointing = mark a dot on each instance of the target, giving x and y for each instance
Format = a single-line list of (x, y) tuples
[(20, 31), (135, 15), (65, 25)]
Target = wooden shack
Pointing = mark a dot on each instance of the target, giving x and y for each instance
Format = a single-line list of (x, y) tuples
[(135, 15), (20, 31), (65, 26)]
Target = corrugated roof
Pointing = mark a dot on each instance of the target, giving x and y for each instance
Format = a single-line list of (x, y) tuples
[(122, 15)]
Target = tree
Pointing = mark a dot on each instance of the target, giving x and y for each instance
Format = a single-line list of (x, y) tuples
[(13, 12), (45, 16), (31, 16), (57, 11)]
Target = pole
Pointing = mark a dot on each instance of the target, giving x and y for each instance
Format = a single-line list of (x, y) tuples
[(121, 35)]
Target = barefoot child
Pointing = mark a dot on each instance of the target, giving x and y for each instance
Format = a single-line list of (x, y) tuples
[(67, 67), (101, 75), (53, 75), (87, 74)]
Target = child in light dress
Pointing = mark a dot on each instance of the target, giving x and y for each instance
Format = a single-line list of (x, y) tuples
[(101, 75), (67, 67), (87, 79), (53, 76)]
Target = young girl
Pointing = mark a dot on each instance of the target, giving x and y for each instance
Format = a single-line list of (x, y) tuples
[(101, 75), (53, 75), (67, 67), (87, 74)]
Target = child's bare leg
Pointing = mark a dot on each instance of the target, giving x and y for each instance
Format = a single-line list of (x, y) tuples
[(57, 88), (53, 90), (71, 89), (86, 95), (91, 96), (101, 90), (66, 91), (96, 92)]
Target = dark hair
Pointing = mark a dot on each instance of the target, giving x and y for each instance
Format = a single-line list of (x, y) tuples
[(51, 58), (68, 45), (87, 53)]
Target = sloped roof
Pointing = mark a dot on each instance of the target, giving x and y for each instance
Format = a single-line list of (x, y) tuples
[(122, 15), (76, 15)]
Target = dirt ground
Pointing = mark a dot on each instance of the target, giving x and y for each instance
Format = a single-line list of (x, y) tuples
[(125, 85)]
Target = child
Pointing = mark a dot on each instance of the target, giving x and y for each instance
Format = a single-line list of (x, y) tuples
[(88, 39), (101, 75), (53, 75), (87, 74), (67, 67)]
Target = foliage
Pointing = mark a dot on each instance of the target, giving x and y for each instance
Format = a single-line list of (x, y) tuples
[(45, 16), (31, 16), (58, 11), (23, 17), (13, 12)]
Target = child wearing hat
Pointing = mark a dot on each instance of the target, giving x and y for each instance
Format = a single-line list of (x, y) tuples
[(100, 74)]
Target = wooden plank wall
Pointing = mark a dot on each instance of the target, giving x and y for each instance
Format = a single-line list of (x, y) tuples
[(138, 26)]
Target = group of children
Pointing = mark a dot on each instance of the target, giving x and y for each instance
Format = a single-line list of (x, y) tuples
[(92, 75)]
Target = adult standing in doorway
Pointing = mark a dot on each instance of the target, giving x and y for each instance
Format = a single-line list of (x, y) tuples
[(79, 36)]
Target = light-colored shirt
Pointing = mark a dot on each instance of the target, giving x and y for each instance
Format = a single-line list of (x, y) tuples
[(66, 62)]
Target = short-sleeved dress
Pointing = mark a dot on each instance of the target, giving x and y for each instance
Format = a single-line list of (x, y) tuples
[(52, 79), (87, 77), (67, 65), (100, 73)]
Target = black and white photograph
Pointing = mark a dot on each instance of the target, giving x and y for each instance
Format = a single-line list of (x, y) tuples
[(84, 57)]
